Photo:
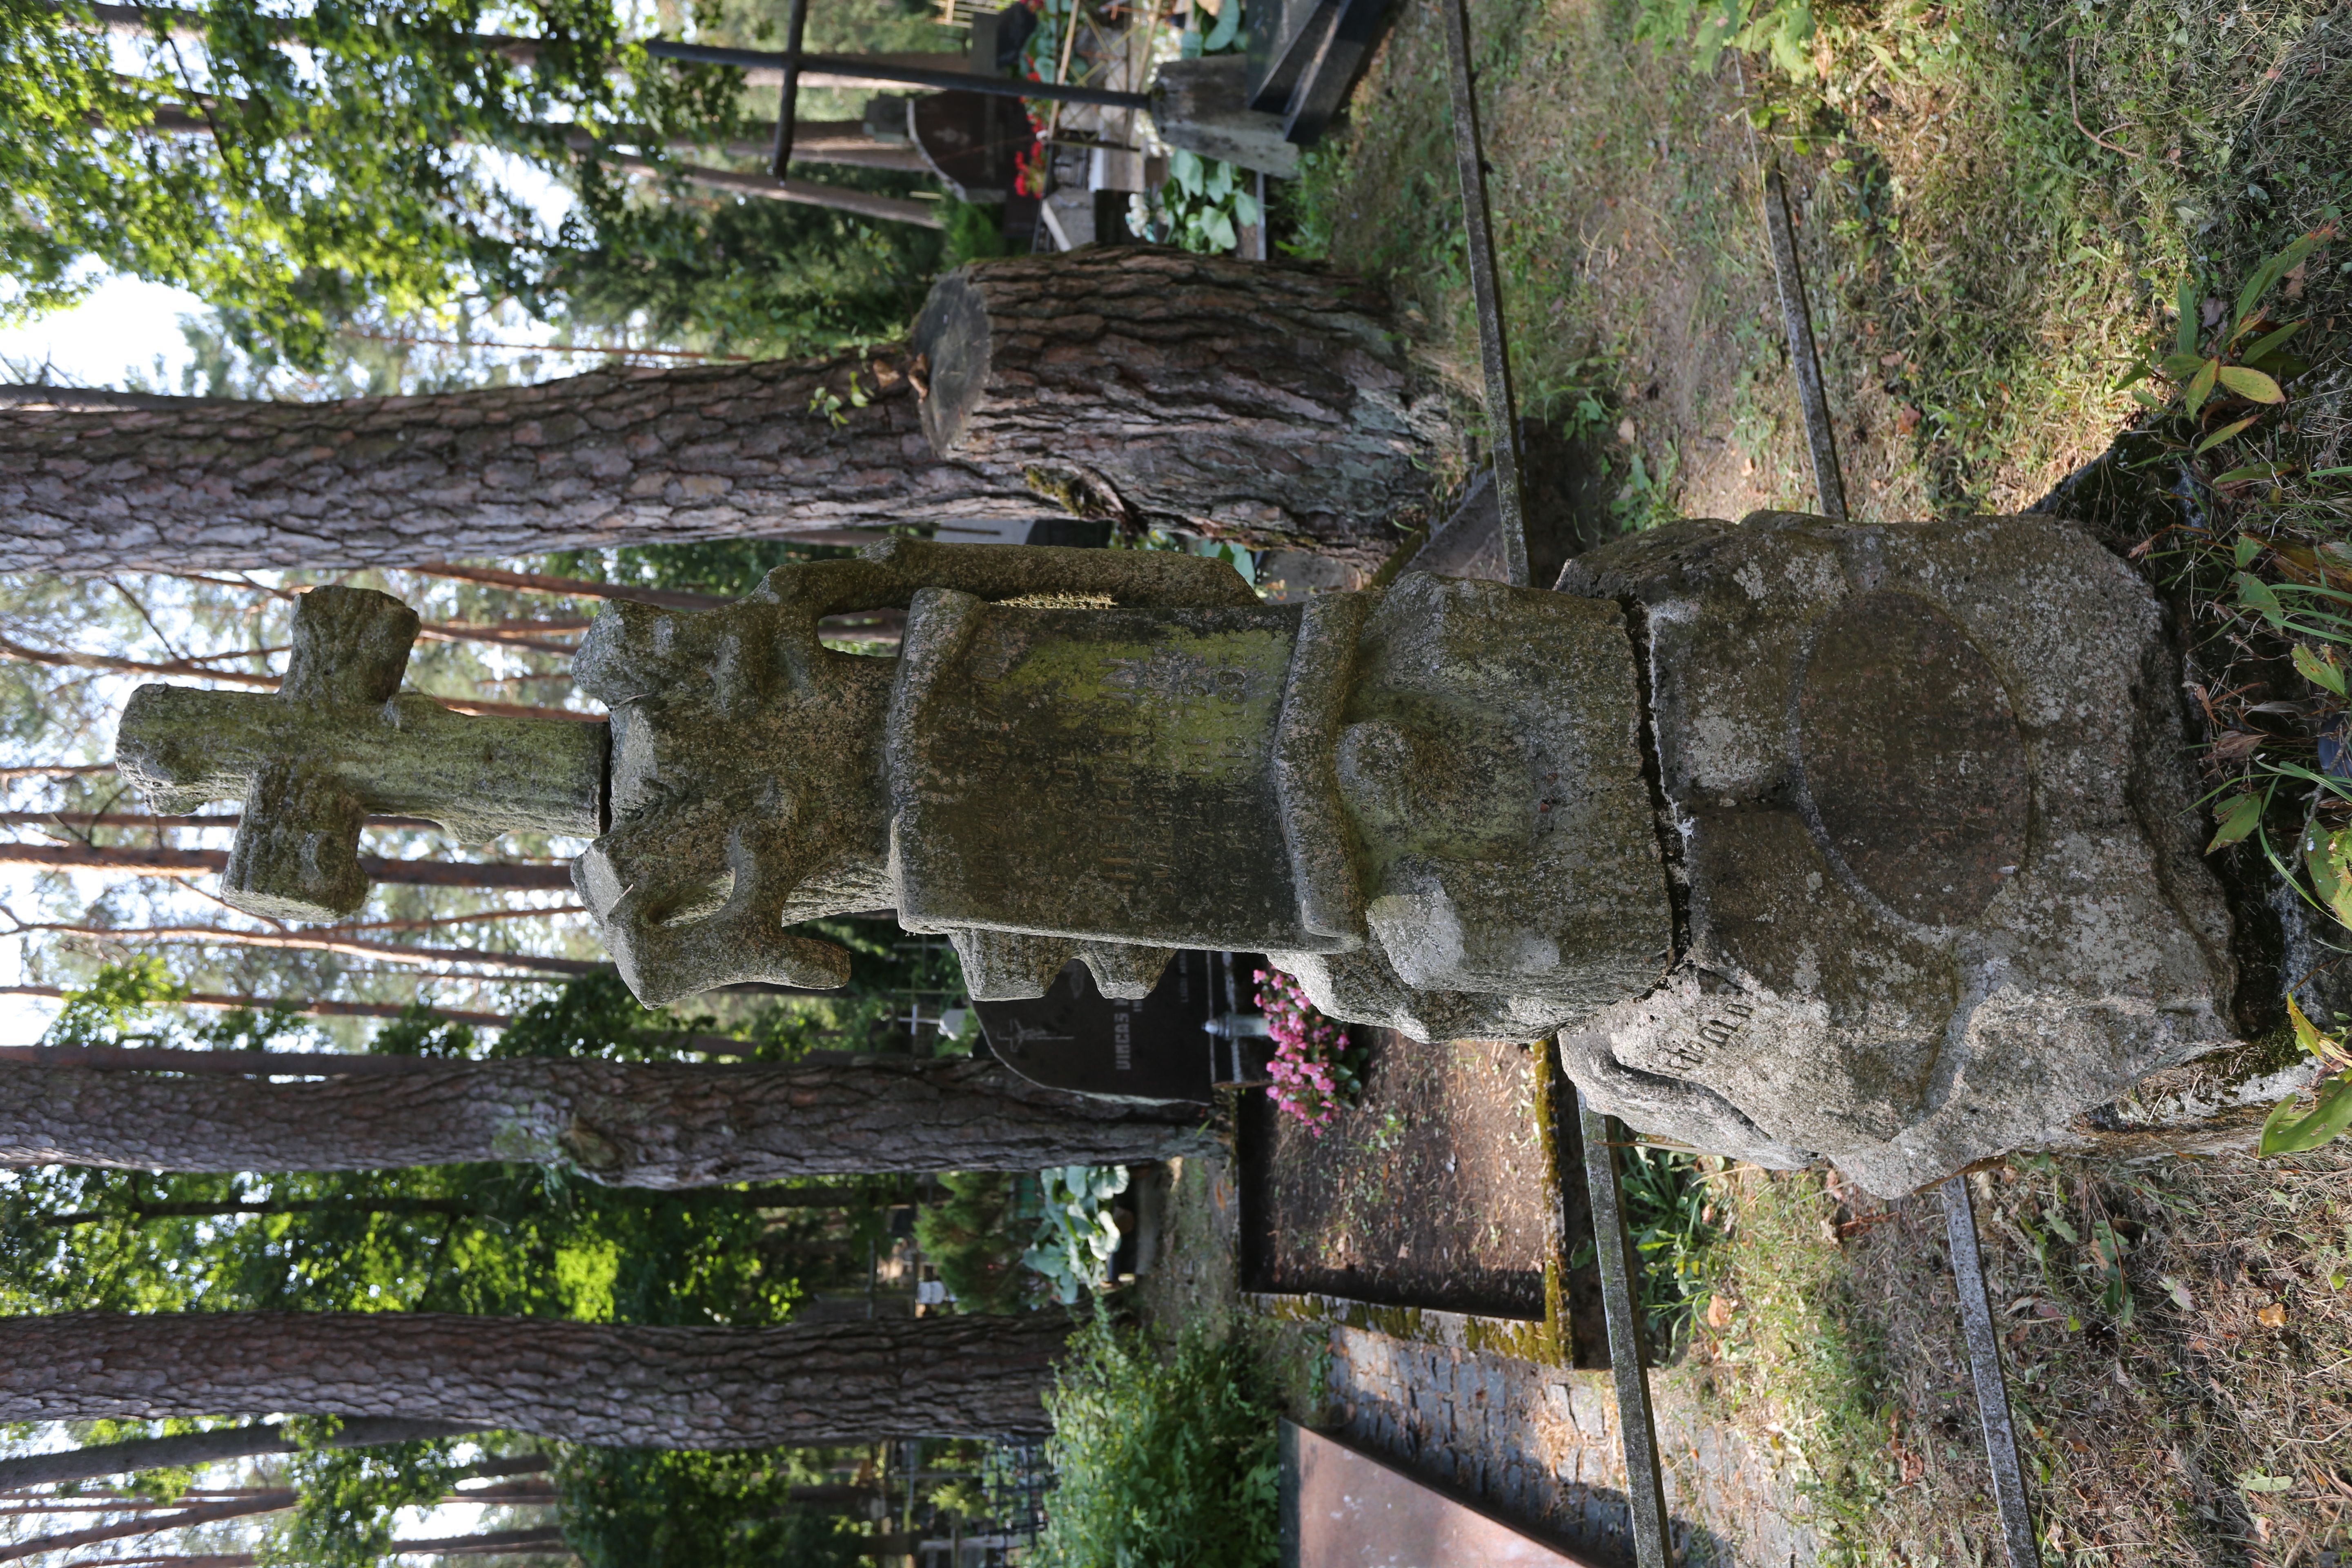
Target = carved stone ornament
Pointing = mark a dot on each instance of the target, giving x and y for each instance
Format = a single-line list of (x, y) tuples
[(1808, 839)]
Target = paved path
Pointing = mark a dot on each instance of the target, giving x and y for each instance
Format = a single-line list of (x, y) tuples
[(1537, 1445)]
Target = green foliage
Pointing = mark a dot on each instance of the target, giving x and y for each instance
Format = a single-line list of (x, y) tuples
[(974, 232), (1667, 1210), (1202, 206), (626, 1508), (1781, 29), (498, 1240), (1078, 1238), (747, 276), (358, 154), (350, 1497), (1159, 1462), (2287, 1133), (494, 1239), (975, 1240)]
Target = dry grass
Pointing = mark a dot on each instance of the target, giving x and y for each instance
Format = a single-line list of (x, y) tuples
[(1982, 268), (2210, 1421)]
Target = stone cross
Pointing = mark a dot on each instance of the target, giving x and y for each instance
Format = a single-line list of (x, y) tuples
[(340, 741), (1804, 839)]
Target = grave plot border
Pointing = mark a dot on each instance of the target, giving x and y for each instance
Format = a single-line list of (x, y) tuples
[(1571, 1296)]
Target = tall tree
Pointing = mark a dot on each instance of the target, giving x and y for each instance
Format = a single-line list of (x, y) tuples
[(1262, 403), (623, 1124), (605, 1384), (359, 155), (188, 1450)]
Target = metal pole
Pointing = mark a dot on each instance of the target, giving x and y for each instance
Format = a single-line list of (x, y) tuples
[(1992, 1386), (1645, 1490), (1502, 409), (795, 29), (1802, 356), (859, 69)]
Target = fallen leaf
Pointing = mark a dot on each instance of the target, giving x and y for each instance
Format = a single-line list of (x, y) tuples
[(1720, 1310), (2178, 1291), (1625, 431), (2272, 1316), (2294, 278), (1888, 362), (1907, 418)]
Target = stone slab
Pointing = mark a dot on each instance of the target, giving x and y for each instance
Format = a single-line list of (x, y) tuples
[(1343, 1509)]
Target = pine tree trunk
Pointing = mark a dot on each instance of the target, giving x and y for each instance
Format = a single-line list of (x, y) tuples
[(191, 1449), (1243, 400), (1267, 405), (624, 1125), (607, 1385)]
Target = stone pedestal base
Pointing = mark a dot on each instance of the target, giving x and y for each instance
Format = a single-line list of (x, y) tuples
[(1937, 873)]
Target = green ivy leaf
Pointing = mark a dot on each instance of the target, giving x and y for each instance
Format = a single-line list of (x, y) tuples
[(2287, 1133), (2239, 820)]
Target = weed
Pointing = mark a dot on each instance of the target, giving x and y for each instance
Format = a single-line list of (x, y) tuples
[(1157, 1463)]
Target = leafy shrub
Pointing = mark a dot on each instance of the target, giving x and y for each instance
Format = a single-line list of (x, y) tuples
[(1201, 208), (1780, 28), (973, 1239), (1157, 1463), (631, 1508), (1077, 1236)]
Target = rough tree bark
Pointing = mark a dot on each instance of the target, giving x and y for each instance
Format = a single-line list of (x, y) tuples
[(624, 1125), (600, 1384), (1268, 405), (1237, 398)]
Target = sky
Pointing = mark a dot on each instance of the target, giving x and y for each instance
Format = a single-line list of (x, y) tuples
[(121, 327)]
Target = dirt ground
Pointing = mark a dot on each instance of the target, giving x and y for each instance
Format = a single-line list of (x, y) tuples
[(1431, 1192)]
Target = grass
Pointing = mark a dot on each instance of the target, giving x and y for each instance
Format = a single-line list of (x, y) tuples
[(1981, 268), (2175, 1338)]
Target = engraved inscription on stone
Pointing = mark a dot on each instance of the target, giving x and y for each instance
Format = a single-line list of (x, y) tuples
[(1912, 758)]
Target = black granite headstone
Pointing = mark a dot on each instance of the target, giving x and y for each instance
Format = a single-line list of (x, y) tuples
[(1076, 1038)]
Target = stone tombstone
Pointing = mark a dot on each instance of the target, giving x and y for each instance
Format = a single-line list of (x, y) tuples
[(1809, 840), (1150, 1048)]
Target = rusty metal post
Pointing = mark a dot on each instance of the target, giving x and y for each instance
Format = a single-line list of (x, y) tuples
[(1646, 1485), (1992, 1384), (1494, 348), (1813, 398)]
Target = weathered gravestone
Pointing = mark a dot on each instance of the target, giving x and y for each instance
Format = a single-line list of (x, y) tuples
[(1808, 839)]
